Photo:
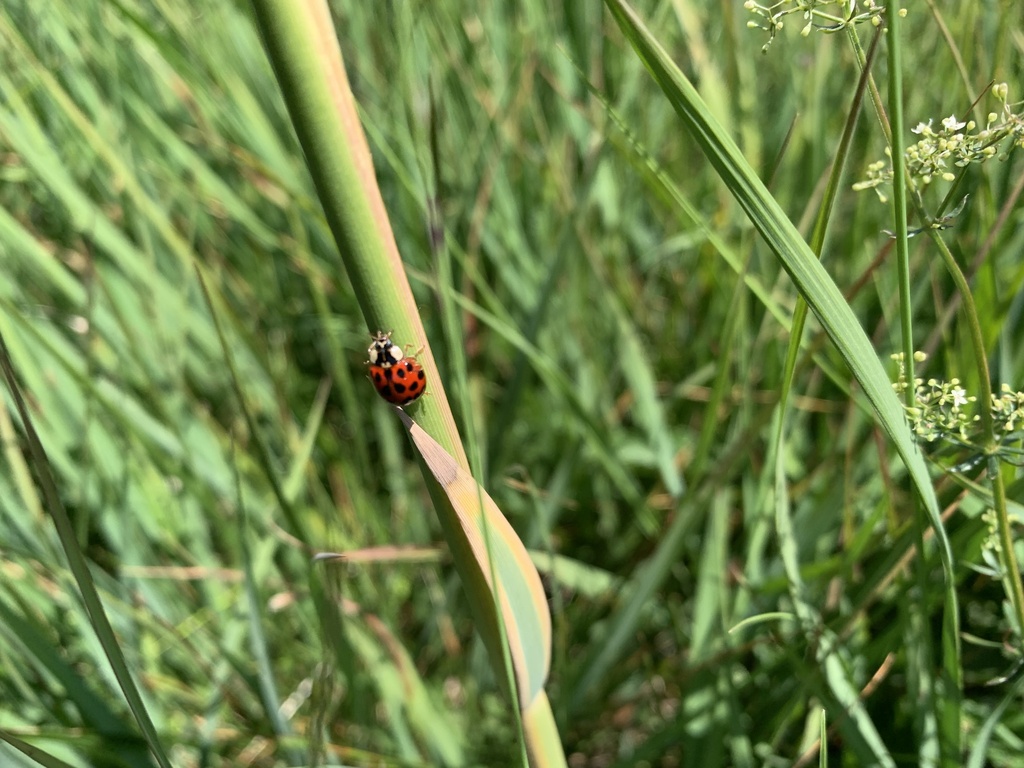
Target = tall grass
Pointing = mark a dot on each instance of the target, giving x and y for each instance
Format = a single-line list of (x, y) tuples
[(715, 587)]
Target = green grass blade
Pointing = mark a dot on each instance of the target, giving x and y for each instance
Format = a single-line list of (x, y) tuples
[(38, 756)]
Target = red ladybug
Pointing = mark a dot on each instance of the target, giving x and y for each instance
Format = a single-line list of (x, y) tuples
[(399, 379)]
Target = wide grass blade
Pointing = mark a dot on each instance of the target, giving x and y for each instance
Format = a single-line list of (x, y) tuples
[(303, 49)]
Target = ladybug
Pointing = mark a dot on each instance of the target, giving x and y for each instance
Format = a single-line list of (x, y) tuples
[(399, 379)]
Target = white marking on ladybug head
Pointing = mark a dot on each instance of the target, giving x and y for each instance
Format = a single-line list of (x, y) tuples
[(383, 351)]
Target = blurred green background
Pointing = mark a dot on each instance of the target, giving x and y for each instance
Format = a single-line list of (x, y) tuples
[(140, 138)]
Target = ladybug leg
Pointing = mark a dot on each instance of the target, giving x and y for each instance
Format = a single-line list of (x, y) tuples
[(414, 354)]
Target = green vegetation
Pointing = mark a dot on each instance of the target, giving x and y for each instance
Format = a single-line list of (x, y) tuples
[(687, 418)]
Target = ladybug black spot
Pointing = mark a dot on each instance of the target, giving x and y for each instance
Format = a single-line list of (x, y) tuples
[(378, 377), (414, 386), (399, 388), (421, 376), (400, 373)]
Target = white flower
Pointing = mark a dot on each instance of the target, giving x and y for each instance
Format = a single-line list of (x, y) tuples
[(959, 396), (951, 124), (922, 128)]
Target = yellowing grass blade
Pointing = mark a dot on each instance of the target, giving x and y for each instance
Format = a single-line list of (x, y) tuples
[(519, 593)]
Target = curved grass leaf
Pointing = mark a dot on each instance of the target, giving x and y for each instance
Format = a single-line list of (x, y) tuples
[(518, 591)]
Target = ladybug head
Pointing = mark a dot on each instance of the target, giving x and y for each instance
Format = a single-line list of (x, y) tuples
[(383, 351)]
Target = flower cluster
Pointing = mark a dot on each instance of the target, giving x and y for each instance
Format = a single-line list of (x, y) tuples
[(955, 144), (939, 411), (823, 15), (1008, 410)]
